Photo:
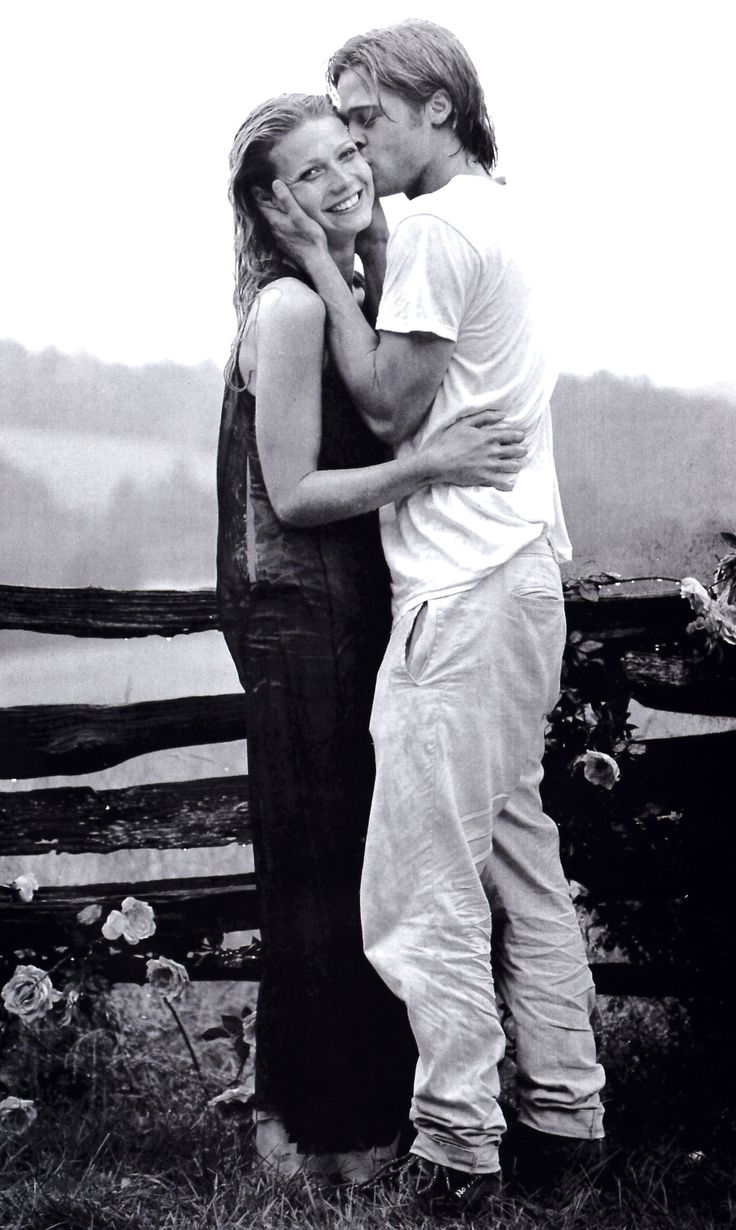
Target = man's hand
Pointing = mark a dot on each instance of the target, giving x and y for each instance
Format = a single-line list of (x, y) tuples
[(478, 450), (302, 239)]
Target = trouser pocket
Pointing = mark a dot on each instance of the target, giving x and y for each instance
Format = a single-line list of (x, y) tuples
[(420, 641)]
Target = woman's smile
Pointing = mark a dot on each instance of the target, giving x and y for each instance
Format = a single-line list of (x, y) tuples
[(349, 203)]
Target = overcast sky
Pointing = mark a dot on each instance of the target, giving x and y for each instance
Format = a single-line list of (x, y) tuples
[(615, 122)]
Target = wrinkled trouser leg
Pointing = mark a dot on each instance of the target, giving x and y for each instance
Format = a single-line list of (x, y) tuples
[(458, 724), (542, 972)]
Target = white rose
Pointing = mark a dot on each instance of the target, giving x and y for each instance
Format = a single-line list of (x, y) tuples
[(696, 594), (113, 926), (166, 976), (29, 994), (600, 769), (89, 915), (17, 1115), (25, 886), (134, 921)]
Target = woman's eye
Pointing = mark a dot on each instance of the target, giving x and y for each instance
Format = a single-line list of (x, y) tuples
[(349, 153), (310, 174)]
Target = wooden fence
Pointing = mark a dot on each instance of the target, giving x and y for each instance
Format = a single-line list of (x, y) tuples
[(633, 620)]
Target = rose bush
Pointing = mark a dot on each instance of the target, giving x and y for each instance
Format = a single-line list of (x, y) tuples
[(29, 994), (714, 606)]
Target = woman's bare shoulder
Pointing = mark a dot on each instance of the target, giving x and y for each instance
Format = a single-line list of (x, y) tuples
[(289, 301), (286, 308)]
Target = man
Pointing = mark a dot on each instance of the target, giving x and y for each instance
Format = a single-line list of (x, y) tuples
[(457, 832)]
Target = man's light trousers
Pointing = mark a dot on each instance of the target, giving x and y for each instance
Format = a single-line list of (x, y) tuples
[(457, 833)]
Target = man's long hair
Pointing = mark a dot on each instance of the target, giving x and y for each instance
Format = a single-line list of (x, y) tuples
[(257, 258), (415, 58)]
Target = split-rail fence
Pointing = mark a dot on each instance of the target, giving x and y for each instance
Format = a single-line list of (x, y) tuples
[(640, 624)]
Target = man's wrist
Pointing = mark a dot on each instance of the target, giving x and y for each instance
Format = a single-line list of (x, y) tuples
[(371, 248), (327, 278)]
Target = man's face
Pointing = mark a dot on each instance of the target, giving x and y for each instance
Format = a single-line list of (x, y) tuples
[(392, 133)]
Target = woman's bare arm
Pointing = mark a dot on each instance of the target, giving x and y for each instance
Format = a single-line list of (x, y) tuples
[(290, 326)]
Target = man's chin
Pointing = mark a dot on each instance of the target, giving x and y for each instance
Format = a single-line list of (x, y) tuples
[(381, 186)]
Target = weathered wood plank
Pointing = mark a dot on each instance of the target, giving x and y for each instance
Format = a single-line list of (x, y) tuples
[(165, 816), (107, 612), (638, 610), (44, 740), (183, 910), (677, 683), (634, 612)]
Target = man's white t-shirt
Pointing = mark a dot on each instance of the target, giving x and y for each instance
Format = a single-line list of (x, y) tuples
[(453, 270)]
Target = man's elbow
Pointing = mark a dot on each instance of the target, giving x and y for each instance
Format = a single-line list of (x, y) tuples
[(404, 420)]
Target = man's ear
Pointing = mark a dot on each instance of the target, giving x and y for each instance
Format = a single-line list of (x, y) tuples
[(439, 108)]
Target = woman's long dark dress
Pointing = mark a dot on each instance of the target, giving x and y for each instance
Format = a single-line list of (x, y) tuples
[(305, 613)]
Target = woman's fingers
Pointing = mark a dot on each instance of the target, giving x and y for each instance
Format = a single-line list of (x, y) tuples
[(509, 450)]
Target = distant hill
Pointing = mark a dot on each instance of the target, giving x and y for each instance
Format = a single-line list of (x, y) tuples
[(648, 475), (108, 471), (79, 392)]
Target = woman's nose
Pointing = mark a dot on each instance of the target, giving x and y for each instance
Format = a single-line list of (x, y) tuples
[(342, 176)]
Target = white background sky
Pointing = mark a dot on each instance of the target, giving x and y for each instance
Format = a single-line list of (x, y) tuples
[(614, 117)]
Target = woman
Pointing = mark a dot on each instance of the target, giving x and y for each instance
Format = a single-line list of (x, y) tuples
[(304, 600)]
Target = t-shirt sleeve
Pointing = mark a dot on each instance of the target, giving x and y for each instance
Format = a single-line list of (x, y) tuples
[(431, 271)]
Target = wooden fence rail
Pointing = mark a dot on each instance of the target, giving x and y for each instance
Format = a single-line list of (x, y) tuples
[(163, 816), (48, 740), (634, 610), (107, 612), (632, 619)]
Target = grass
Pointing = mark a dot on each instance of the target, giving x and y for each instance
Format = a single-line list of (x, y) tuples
[(125, 1140)]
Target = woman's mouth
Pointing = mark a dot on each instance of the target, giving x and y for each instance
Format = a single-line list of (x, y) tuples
[(349, 203)]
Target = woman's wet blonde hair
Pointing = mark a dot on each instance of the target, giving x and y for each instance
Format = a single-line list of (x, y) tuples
[(257, 258)]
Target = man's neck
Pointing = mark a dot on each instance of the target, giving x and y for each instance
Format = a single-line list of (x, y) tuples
[(445, 166)]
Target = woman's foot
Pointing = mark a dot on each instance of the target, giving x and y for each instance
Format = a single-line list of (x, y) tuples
[(275, 1152), (280, 1156), (361, 1165)]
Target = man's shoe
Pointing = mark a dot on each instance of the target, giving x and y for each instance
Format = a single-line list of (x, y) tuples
[(534, 1161), (436, 1188)]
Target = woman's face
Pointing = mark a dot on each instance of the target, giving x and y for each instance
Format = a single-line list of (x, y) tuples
[(327, 175)]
